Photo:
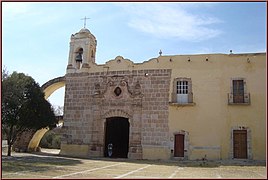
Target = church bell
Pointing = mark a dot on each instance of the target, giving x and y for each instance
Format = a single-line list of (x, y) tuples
[(78, 57)]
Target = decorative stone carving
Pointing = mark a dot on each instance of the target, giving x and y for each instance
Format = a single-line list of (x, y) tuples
[(117, 86), (117, 91)]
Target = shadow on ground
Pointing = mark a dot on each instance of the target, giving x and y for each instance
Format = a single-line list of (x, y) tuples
[(34, 163), (191, 163), (184, 163), (43, 161)]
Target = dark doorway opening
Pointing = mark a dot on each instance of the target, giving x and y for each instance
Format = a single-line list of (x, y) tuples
[(117, 133)]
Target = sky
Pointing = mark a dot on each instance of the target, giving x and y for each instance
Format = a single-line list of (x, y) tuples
[(36, 36)]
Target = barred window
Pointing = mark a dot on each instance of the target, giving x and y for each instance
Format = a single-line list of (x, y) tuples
[(182, 91), (182, 87)]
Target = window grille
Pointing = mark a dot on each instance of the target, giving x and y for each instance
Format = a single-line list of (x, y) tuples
[(182, 91)]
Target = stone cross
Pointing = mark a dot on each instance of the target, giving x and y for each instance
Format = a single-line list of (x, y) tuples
[(85, 21)]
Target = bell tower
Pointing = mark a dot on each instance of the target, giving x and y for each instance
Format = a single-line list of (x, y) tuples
[(82, 50)]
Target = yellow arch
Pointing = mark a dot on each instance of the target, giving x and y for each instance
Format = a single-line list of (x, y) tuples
[(34, 143), (48, 88), (53, 85)]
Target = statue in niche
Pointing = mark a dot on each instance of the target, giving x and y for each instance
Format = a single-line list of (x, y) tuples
[(137, 89), (97, 89)]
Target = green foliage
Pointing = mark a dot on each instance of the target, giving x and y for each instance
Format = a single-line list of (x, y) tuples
[(50, 140), (24, 106)]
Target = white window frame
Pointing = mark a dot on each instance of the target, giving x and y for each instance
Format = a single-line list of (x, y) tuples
[(182, 91)]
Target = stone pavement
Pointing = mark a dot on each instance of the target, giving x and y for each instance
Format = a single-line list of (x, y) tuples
[(51, 166)]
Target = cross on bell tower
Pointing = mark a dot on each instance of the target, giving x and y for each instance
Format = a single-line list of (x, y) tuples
[(82, 49), (85, 21)]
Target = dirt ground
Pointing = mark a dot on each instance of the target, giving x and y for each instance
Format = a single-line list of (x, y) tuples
[(49, 165)]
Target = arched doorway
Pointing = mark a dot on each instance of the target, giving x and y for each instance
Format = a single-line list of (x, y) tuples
[(117, 133)]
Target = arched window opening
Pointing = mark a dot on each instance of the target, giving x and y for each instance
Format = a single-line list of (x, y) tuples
[(79, 58), (92, 54)]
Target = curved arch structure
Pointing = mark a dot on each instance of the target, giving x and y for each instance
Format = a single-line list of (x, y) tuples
[(34, 143), (53, 85), (117, 113), (48, 88)]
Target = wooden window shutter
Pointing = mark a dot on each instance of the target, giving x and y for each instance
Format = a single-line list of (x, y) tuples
[(174, 93), (190, 91), (247, 98), (246, 95), (230, 98)]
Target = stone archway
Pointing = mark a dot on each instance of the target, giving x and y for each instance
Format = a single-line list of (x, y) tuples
[(117, 134), (134, 138), (48, 88)]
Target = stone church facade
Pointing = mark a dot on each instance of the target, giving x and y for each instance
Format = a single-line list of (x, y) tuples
[(171, 107)]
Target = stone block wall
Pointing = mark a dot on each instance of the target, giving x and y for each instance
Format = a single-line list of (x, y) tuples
[(143, 98), (22, 141)]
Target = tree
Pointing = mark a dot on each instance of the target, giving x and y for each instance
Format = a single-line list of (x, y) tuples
[(23, 107)]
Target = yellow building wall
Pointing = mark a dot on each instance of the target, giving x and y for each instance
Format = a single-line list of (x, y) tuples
[(254, 115), (210, 120), (155, 153), (74, 150)]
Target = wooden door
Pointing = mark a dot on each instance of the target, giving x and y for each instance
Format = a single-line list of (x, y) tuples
[(179, 145), (238, 91), (240, 144)]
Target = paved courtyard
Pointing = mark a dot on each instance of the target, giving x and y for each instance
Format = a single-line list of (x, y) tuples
[(52, 166)]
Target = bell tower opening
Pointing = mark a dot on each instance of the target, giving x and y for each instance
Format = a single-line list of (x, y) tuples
[(117, 134), (82, 50), (79, 58)]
